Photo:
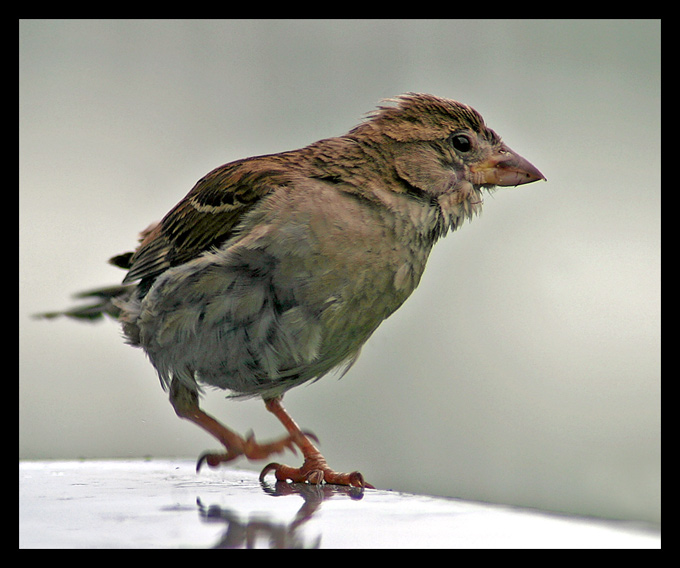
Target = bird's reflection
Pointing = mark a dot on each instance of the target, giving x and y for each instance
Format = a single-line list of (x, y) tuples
[(259, 530)]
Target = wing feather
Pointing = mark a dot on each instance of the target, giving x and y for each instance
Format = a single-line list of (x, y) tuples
[(205, 218)]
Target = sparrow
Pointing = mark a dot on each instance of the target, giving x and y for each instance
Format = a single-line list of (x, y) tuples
[(274, 270)]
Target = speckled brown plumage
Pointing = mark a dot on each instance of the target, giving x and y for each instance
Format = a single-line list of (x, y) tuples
[(275, 270)]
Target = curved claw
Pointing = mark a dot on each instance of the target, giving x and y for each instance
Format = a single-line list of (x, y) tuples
[(267, 468), (311, 435), (357, 480), (213, 459)]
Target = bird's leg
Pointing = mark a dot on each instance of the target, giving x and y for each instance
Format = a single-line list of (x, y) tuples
[(185, 403), (314, 470)]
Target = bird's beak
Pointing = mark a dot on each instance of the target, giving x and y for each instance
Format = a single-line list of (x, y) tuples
[(505, 167)]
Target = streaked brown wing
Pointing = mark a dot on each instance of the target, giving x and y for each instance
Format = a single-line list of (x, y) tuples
[(206, 217)]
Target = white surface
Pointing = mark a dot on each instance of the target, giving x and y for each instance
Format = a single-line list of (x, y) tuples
[(165, 504)]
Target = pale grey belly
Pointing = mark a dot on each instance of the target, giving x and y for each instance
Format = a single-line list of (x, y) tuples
[(294, 298), (258, 324)]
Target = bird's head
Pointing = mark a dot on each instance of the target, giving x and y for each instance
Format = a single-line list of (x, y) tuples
[(441, 146)]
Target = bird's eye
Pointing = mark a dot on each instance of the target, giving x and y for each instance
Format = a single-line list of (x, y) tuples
[(461, 143)]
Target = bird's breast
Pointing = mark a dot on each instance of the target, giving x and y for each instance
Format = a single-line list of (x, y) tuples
[(296, 295)]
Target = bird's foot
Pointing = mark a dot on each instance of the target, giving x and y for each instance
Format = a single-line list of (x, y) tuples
[(314, 471), (248, 448)]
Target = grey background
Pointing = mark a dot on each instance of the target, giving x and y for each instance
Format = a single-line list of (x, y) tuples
[(526, 367)]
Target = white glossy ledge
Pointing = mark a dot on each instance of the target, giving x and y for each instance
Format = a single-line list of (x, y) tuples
[(165, 504)]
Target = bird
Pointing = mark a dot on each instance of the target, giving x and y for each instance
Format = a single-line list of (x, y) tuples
[(275, 270)]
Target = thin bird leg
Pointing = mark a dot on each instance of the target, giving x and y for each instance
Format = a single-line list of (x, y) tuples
[(185, 403), (314, 470)]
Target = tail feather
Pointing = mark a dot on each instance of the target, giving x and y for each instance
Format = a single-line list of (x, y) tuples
[(105, 303)]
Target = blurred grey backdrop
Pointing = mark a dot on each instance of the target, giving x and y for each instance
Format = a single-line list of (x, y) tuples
[(526, 367)]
